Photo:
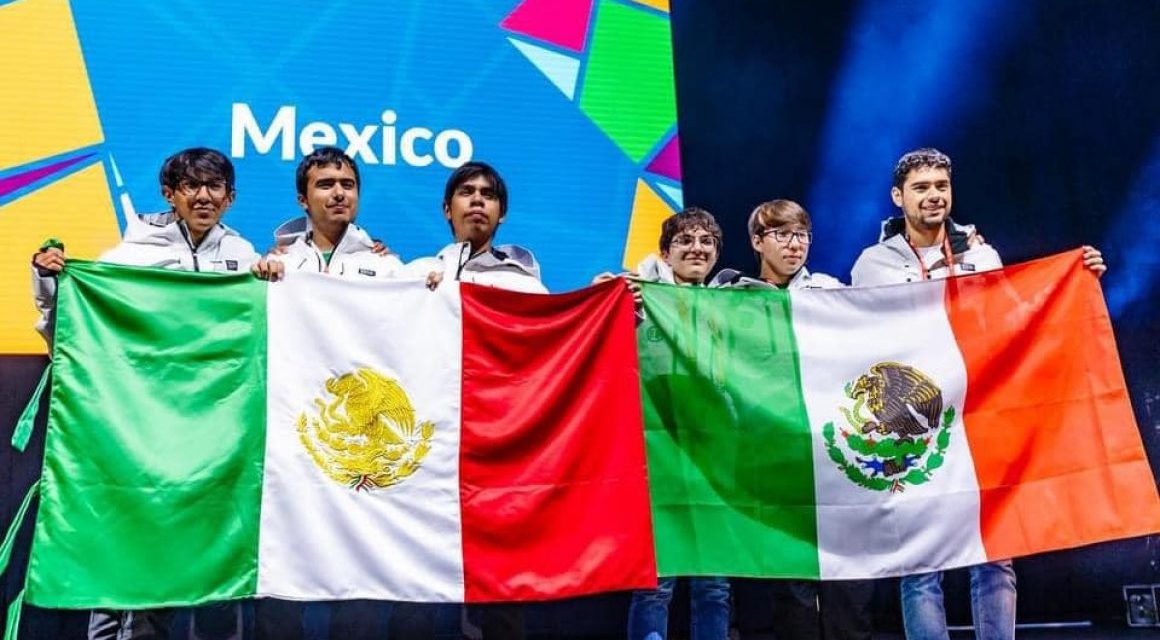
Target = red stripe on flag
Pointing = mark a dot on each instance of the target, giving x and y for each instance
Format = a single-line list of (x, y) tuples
[(1055, 444), (554, 489)]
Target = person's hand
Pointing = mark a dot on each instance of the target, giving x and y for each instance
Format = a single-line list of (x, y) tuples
[(433, 279), (604, 277), (975, 239), (380, 249), (49, 262), (269, 269), (1094, 260), (637, 296)]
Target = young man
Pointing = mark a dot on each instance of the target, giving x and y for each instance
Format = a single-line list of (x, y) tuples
[(781, 234), (924, 244), (475, 203), (198, 183), (690, 244), (326, 240)]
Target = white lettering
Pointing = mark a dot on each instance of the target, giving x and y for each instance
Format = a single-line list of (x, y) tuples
[(359, 142), (463, 142), (407, 146), (415, 146), (243, 124), (314, 135)]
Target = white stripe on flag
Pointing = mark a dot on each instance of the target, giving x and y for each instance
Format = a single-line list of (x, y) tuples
[(319, 538), (861, 531)]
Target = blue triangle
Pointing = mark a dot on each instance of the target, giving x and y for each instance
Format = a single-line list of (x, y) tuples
[(562, 70), (674, 193)]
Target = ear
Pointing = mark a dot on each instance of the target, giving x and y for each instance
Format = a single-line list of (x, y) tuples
[(167, 193), (896, 196), (446, 211), (755, 242), (302, 202)]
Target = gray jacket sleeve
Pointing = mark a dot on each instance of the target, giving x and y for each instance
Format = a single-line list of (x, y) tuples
[(44, 296)]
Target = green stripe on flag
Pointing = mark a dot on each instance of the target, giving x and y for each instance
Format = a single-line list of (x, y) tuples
[(151, 489), (729, 448)]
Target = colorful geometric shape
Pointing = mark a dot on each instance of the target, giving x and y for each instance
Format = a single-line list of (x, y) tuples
[(674, 193), (649, 210), (659, 5), (668, 161), (46, 103), (562, 70), (78, 209), (563, 23), (628, 88), (21, 179)]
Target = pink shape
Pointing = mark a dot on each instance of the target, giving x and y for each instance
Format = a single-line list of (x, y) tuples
[(20, 180), (668, 161), (563, 23)]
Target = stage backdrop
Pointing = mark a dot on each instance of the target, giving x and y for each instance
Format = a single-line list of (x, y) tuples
[(572, 100)]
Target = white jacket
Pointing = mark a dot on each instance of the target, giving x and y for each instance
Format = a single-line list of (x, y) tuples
[(892, 261), (157, 240), (505, 266), (803, 279), (352, 257)]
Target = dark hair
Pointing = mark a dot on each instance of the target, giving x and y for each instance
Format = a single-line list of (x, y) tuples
[(919, 159), (324, 157), (686, 220), (470, 171), (776, 213), (197, 164)]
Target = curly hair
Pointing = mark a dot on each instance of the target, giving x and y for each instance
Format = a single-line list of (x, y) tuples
[(919, 159), (687, 220)]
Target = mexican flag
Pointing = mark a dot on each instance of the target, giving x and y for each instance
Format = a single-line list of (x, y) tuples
[(861, 433), (215, 437)]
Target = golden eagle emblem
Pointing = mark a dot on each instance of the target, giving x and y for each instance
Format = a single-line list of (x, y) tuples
[(902, 399), (363, 433), (905, 437)]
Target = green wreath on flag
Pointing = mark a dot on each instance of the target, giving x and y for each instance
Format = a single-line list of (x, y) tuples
[(913, 454)]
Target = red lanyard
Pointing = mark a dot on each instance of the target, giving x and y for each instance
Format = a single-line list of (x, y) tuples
[(948, 257)]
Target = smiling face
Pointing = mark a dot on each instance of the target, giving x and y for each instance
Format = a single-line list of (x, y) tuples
[(474, 212), (200, 203), (331, 197), (692, 253), (925, 199)]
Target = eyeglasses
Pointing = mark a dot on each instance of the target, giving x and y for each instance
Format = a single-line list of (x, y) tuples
[(685, 241), (216, 188), (785, 235)]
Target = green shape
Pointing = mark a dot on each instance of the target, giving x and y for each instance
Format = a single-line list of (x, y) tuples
[(628, 88), (730, 452), (152, 482)]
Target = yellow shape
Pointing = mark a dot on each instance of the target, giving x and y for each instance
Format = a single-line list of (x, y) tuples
[(46, 105), (77, 209), (648, 212), (662, 5)]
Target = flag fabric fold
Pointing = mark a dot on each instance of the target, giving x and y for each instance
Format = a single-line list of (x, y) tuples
[(215, 437), (860, 433)]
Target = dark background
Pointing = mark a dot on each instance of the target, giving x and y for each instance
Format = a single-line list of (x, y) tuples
[(1051, 113)]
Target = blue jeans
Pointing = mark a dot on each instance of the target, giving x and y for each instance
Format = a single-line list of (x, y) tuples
[(992, 603), (648, 615)]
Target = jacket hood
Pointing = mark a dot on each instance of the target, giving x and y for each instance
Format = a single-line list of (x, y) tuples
[(956, 233), (166, 229), (511, 257), (355, 239)]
